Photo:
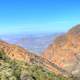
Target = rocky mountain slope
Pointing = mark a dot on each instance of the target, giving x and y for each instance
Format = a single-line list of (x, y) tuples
[(18, 64), (18, 53), (65, 51)]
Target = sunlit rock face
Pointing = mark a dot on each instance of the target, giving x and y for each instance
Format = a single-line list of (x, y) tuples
[(65, 51)]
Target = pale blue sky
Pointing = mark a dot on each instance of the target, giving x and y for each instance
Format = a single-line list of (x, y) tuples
[(38, 16)]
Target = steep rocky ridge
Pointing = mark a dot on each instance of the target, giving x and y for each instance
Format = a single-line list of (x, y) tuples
[(65, 51)]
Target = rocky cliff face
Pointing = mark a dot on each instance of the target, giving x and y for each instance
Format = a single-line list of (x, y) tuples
[(65, 51)]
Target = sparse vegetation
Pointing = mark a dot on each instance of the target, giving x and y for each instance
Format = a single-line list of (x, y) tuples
[(19, 70)]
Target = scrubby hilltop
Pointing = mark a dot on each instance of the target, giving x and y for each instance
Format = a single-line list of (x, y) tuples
[(65, 51)]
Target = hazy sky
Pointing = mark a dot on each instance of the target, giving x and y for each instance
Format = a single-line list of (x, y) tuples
[(38, 16)]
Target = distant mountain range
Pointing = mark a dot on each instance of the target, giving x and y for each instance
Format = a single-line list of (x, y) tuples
[(35, 43)]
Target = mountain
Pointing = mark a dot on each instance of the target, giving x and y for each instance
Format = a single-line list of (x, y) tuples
[(61, 57), (65, 51), (35, 43), (16, 63), (18, 53), (11, 69)]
